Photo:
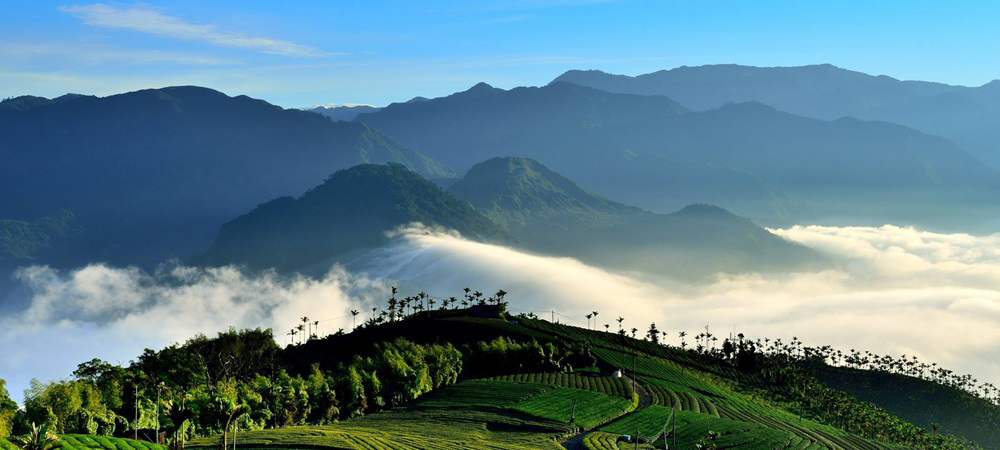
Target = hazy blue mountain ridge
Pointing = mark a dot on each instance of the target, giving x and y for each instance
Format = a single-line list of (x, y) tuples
[(808, 169), (967, 115), (347, 113), (155, 172)]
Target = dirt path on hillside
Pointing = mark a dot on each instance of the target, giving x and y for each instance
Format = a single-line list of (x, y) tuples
[(645, 399)]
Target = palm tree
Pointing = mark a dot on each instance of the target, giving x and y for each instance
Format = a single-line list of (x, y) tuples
[(354, 315), (39, 438), (620, 320), (607, 328), (230, 412), (588, 320), (316, 324), (178, 413)]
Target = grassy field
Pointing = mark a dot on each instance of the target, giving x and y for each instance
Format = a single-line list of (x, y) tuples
[(85, 441)]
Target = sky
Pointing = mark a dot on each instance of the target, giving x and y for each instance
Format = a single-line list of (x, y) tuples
[(315, 52)]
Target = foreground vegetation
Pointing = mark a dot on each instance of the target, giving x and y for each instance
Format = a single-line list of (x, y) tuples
[(419, 377)]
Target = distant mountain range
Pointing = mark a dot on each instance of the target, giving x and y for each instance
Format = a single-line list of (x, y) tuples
[(967, 115), (343, 112), (517, 202), (773, 166), (153, 173)]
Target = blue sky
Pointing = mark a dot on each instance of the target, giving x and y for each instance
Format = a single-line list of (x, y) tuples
[(303, 53)]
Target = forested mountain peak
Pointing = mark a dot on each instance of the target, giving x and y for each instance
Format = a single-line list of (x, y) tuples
[(351, 211)]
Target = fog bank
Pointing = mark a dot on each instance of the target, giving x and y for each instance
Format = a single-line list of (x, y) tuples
[(896, 290)]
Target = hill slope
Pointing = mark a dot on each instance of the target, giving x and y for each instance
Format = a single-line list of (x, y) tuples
[(751, 405), (425, 373), (350, 212), (605, 141), (155, 172)]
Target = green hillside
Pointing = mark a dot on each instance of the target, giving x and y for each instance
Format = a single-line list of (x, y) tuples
[(955, 410), (424, 376)]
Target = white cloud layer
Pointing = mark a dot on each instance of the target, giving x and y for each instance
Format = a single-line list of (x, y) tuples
[(147, 20), (897, 290)]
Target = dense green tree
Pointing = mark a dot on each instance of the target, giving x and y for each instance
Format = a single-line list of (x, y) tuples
[(73, 406), (8, 409)]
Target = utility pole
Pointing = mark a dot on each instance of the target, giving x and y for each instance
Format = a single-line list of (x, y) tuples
[(157, 438), (137, 411), (636, 439), (674, 432), (553, 316), (572, 417)]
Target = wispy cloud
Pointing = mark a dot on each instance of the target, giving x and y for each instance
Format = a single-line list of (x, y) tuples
[(146, 20), (94, 54), (45, 77)]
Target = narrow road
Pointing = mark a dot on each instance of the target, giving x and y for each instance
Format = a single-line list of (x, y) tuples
[(645, 399)]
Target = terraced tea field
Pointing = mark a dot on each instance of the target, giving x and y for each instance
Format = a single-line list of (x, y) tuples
[(87, 442), (606, 385), (470, 414), (696, 392), (591, 408)]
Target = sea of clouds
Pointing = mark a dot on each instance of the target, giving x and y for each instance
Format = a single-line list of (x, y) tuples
[(894, 290)]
